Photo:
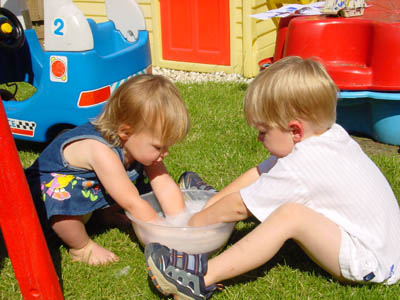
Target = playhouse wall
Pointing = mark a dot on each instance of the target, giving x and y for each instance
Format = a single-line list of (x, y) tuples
[(258, 36), (94, 9), (251, 40)]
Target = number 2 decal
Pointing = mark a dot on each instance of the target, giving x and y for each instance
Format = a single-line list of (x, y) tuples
[(59, 23)]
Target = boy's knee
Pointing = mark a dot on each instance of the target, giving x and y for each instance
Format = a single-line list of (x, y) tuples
[(294, 215), (290, 210), (299, 218)]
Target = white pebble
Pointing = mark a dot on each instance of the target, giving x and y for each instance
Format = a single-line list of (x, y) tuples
[(189, 77)]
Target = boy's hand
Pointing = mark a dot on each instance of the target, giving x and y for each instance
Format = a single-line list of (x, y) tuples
[(230, 208), (196, 221)]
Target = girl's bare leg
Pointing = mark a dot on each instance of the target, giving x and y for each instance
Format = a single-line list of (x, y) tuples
[(72, 231), (319, 237)]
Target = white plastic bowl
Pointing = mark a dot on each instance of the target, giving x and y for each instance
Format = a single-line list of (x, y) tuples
[(192, 240)]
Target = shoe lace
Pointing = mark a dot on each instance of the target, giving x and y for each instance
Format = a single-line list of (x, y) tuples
[(201, 185)]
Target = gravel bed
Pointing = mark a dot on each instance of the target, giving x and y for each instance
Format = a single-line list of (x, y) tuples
[(187, 77)]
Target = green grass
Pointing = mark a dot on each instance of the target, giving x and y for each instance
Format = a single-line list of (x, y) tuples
[(21, 90), (220, 146)]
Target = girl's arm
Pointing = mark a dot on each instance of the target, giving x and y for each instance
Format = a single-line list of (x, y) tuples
[(94, 155), (165, 189), (239, 183), (230, 208)]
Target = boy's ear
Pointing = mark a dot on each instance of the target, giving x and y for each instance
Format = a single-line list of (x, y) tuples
[(297, 130), (124, 131)]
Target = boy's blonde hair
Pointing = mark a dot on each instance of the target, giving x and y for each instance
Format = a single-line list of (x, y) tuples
[(291, 89), (145, 102)]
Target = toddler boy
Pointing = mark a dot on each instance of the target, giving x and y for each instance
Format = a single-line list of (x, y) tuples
[(317, 188)]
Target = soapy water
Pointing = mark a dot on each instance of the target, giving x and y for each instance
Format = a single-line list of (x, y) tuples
[(182, 219), (173, 231)]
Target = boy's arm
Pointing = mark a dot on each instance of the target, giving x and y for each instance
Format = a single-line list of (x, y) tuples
[(165, 189), (239, 183), (230, 208)]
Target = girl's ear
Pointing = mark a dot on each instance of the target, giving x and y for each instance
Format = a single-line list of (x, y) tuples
[(297, 130), (124, 131)]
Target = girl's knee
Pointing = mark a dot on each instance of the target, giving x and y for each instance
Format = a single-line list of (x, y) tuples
[(63, 218)]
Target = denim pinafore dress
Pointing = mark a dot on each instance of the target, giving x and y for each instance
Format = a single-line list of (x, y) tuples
[(67, 190)]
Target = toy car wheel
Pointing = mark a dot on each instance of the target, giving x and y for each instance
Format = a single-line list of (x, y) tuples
[(6, 95), (12, 35), (62, 131)]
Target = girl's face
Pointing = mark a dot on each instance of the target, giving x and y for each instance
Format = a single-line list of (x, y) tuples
[(144, 147)]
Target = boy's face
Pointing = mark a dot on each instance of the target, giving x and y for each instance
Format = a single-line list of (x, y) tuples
[(144, 147), (277, 141)]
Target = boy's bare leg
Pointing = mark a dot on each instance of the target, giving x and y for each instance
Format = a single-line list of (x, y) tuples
[(72, 231), (319, 237)]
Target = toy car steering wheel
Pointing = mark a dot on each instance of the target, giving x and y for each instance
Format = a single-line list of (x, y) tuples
[(11, 31)]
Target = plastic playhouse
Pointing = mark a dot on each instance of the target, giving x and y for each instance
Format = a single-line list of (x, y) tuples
[(362, 56), (81, 64), (204, 36)]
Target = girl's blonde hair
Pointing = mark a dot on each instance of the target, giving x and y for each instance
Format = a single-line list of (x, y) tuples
[(291, 89), (145, 102)]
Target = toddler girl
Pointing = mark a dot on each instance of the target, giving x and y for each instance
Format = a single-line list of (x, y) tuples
[(91, 166)]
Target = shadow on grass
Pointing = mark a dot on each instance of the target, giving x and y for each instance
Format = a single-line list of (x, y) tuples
[(53, 246), (3, 251), (373, 147), (97, 226), (290, 255), (30, 146)]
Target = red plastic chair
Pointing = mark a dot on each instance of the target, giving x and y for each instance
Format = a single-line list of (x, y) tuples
[(359, 53), (22, 233)]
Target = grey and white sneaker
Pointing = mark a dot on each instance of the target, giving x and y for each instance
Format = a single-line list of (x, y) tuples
[(178, 273), (192, 181)]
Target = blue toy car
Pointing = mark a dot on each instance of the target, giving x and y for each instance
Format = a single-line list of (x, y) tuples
[(71, 86)]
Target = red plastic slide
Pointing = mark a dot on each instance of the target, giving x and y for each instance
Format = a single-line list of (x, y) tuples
[(20, 225)]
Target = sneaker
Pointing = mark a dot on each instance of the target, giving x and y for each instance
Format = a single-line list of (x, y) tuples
[(192, 181), (178, 273)]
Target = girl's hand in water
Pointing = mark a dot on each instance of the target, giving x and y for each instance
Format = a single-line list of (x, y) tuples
[(159, 221), (179, 220)]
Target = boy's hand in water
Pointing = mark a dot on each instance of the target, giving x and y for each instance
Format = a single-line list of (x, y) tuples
[(230, 208), (197, 220)]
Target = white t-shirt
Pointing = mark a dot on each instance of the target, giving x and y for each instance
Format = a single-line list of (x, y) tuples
[(333, 176)]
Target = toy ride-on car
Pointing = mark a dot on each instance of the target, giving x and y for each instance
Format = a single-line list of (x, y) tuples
[(74, 74)]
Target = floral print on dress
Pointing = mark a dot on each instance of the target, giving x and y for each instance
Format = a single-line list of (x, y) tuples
[(90, 190), (56, 187)]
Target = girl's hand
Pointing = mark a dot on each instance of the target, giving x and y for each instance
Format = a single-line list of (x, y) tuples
[(165, 189)]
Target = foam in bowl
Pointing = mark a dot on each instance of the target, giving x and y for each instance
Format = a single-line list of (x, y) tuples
[(205, 239)]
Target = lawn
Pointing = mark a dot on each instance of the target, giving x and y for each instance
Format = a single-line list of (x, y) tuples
[(220, 146)]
